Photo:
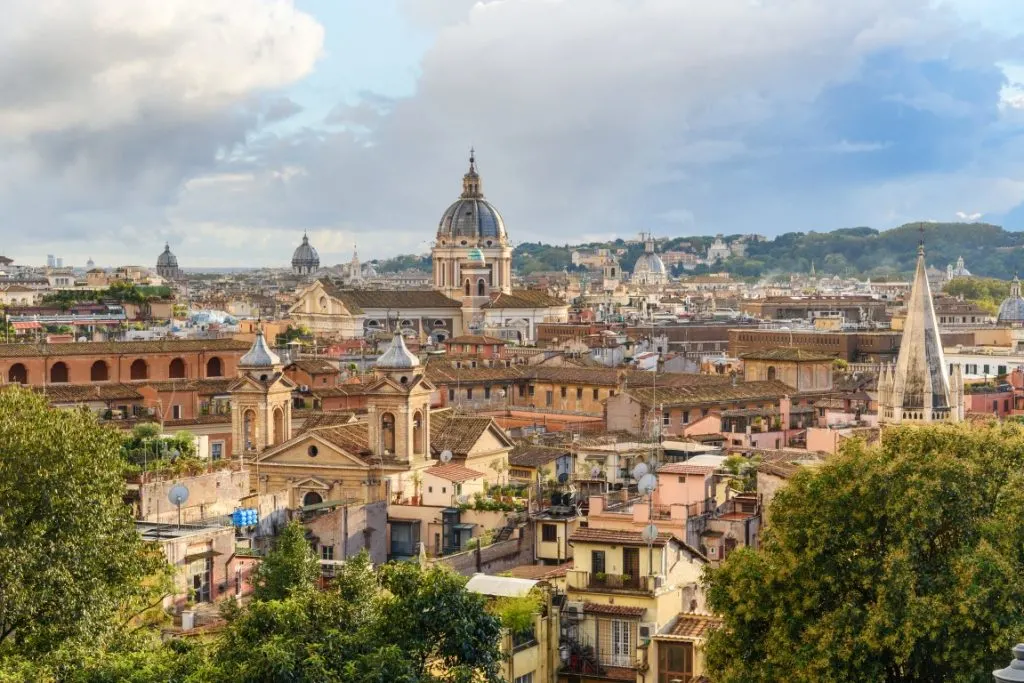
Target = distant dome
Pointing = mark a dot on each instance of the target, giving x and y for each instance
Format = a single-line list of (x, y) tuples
[(259, 355), (167, 259), (398, 356), (305, 260), (649, 263), (471, 216), (1012, 308)]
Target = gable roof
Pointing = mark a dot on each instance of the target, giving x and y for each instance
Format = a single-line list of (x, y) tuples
[(314, 366), (534, 456), (112, 348), (330, 418), (358, 300), (525, 298), (769, 390), (84, 393), (687, 626), (453, 471), (460, 433), (787, 354)]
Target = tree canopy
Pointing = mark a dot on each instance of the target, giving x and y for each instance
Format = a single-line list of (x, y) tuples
[(899, 563), (73, 568), (289, 567)]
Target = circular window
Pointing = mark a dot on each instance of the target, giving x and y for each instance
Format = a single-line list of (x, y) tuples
[(404, 380), (464, 242), (313, 451), (489, 243)]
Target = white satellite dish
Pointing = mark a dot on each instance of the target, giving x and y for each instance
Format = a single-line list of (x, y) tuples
[(463, 499), (647, 484), (178, 494), (446, 456), (640, 470), (649, 534)]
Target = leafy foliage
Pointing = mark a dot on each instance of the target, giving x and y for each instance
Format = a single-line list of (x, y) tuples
[(290, 567), (898, 563), (986, 292), (121, 292), (73, 569)]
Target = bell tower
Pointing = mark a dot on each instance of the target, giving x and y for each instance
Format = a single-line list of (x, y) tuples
[(261, 407), (398, 403)]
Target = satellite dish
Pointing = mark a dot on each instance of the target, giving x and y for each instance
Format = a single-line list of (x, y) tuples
[(640, 470), (649, 534), (446, 456), (595, 472), (647, 484), (463, 499), (178, 494), (563, 477)]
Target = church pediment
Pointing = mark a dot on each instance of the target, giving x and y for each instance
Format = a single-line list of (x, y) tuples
[(320, 449), (319, 298)]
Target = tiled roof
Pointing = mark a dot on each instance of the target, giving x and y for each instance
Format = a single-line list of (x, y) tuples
[(690, 626), (338, 390), (770, 390), (686, 468), (456, 433), (524, 298), (82, 393), (205, 387), (353, 438), (534, 456), (614, 610), (115, 348), (442, 372), (617, 536), (199, 420), (540, 572), (575, 375), (330, 418), (358, 300), (453, 472), (315, 366), (475, 339), (786, 353)]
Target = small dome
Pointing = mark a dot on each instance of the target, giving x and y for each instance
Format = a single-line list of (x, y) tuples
[(1012, 308), (649, 263), (305, 255), (260, 355), (167, 259), (398, 356)]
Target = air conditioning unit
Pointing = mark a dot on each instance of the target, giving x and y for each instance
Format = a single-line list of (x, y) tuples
[(647, 631), (573, 610)]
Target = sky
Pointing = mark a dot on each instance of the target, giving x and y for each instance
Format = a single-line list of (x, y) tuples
[(227, 128)]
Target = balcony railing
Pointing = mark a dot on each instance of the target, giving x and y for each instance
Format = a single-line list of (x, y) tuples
[(578, 579), (616, 581)]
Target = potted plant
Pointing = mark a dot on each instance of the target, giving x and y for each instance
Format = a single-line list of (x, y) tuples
[(626, 578), (600, 576)]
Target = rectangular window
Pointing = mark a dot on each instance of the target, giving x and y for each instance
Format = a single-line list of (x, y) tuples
[(985, 368), (1002, 370), (564, 392), (597, 562), (675, 662), (469, 394), (451, 394), (531, 391), (666, 419), (522, 391), (995, 406), (176, 412), (487, 392), (550, 398), (686, 417), (216, 450), (596, 393), (327, 552), (579, 393), (1006, 405), (548, 533), (525, 678)]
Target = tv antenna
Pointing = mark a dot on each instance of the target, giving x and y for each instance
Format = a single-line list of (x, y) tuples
[(178, 495)]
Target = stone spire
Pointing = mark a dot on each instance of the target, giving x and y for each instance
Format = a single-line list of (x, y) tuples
[(918, 387)]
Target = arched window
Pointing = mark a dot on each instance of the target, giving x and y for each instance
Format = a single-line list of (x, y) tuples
[(417, 433), (176, 369), (17, 374), (312, 498), (387, 432), (480, 287), (139, 369), (249, 429), (214, 368), (771, 372), (467, 287), (99, 372), (58, 373), (278, 426)]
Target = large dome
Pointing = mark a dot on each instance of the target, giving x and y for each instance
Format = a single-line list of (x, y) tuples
[(1012, 308), (305, 255), (649, 263), (471, 216), (167, 259)]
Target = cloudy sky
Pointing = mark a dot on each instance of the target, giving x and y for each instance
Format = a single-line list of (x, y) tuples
[(229, 127)]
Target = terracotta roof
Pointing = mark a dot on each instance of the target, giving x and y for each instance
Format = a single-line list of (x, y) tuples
[(690, 626), (83, 393), (617, 536), (575, 375), (338, 390), (453, 471), (442, 372), (129, 348), (770, 390), (315, 366), (200, 420), (328, 418), (456, 433), (786, 353), (614, 610), (686, 468), (525, 298), (534, 456), (540, 572), (475, 339), (358, 300), (353, 438), (206, 387)]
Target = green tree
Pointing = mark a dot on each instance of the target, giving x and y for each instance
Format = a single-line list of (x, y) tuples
[(899, 563), (288, 568), (73, 568)]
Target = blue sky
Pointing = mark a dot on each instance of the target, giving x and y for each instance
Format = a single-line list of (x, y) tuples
[(229, 127)]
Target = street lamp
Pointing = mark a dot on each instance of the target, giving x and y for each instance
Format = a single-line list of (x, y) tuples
[(1015, 672)]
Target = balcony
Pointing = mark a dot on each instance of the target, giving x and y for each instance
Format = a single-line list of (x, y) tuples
[(579, 580)]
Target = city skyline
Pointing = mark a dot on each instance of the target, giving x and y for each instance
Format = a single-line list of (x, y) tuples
[(247, 123)]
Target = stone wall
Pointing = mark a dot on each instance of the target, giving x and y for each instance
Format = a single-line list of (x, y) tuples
[(495, 558), (209, 495)]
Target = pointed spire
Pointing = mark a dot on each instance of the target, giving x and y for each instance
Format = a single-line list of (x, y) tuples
[(1015, 286), (398, 356), (471, 181), (259, 354)]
